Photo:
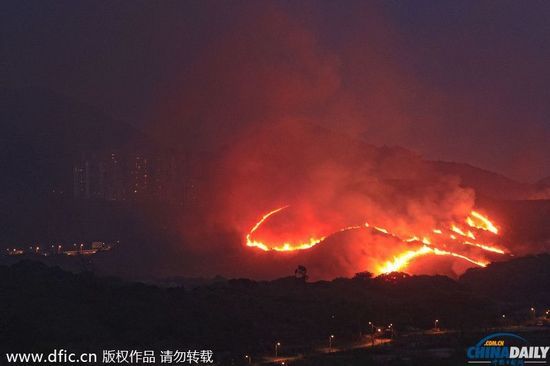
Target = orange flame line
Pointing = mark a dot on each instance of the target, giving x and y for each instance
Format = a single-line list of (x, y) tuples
[(401, 261), (483, 222), (284, 247), (257, 244), (485, 247)]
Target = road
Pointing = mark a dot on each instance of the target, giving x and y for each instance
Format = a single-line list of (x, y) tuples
[(323, 350)]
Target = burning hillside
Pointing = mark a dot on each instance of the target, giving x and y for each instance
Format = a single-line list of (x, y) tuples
[(340, 206), (444, 241)]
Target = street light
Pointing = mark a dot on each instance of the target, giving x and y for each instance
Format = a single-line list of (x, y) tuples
[(330, 342), (435, 324), (372, 332), (248, 358), (379, 330), (371, 327), (277, 345)]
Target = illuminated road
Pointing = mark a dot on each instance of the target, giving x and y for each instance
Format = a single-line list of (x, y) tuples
[(336, 348), (323, 350)]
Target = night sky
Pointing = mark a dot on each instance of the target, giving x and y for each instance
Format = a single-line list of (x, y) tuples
[(461, 81)]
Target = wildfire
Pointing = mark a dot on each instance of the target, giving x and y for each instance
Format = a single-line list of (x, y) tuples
[(459, 231), (486, 247), (284, 247), (402, 260), (479, 221), (381, 229), (429, 246)]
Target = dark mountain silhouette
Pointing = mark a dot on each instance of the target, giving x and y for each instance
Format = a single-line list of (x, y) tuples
[(519, 281), (486, 183), (44, 132)]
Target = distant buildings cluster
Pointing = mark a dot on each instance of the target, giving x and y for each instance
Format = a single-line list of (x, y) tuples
[(58, 249), (119, 176)]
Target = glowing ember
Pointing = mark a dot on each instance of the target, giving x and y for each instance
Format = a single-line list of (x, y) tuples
[(381, 229), (486, 247), (479, 221), (402, 259), (459, 231), (287, 247)]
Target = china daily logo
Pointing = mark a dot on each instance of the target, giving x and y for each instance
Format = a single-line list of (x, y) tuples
[(506, 349)]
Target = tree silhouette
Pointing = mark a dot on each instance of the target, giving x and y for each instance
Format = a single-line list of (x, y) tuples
[(365, 275), (301, 273)]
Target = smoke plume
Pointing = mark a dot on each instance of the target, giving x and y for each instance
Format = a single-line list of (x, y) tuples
[(289, 124)]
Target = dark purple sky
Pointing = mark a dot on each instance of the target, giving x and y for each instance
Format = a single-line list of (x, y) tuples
[(464, 81)]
